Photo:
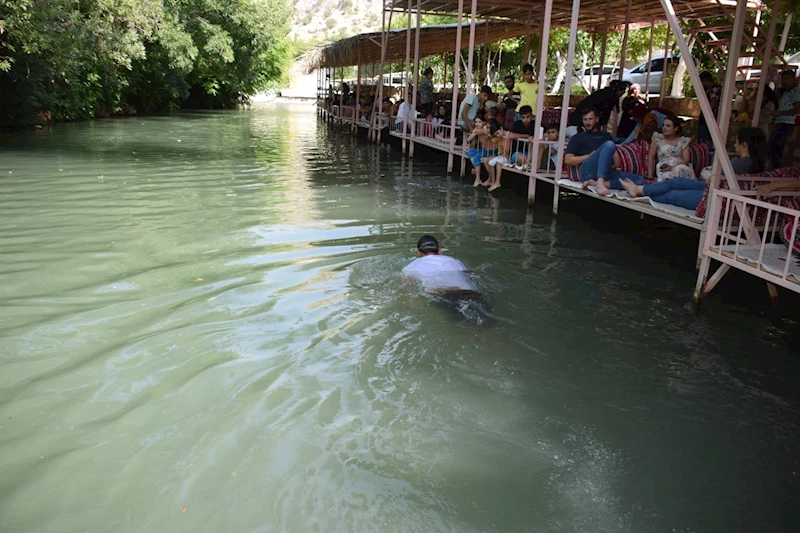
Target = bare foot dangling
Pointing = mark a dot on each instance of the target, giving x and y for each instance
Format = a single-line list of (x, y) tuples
[(494, 186)]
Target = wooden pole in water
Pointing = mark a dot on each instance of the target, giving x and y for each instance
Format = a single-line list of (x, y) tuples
[(416, 79), (456, 75)]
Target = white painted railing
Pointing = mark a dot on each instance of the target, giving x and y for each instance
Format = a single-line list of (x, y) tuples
[(750, 234)]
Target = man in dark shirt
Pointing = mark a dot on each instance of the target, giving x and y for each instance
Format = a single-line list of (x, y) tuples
[(593, 150), (522, 130), (713, 92), (602, 101)]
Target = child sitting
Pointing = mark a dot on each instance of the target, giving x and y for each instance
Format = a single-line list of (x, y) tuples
[(494, 164), (550, 156)]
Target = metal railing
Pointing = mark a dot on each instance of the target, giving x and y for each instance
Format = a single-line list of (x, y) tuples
[(751, 235)]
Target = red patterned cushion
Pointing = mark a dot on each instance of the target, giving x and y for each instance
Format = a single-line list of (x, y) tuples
[(699, 157)]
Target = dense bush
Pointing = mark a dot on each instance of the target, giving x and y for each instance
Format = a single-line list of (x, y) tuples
[(73, 59)]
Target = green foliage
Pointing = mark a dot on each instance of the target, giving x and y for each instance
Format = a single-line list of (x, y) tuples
[(67, 59)]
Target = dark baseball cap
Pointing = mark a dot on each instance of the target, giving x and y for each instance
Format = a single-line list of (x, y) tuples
[(427, 244)]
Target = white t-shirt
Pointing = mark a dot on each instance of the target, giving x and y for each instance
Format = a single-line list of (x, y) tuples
[(406, 113), (437, 272)]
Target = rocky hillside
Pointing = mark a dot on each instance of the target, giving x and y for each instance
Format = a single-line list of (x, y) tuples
[(320, 21)]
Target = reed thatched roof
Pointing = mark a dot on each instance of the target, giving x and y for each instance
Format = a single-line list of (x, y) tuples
[(592, 12), (365, 48)]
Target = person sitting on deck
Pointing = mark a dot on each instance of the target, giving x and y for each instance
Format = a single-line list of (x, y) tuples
[(469, 108), (484, 146), (528, 89), (550, 156), (594, 150), (524, 128), (602, 102), (494, 165), (406, 115), (672, 152), (439, 274), (751, 149)]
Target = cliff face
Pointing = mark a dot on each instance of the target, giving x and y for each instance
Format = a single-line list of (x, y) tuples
[(329, 20)]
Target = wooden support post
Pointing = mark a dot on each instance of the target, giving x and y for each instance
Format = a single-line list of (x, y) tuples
[(384, 44), (456, 75), (543, 51), (357, 110), (471, 46), (591, 62), (705, 105), (603, 46), (650, 60), (624, 52), (665, 68), (726, 99), (786, 25), (562, 132), (416, 79), (765, 64), (405, 83)]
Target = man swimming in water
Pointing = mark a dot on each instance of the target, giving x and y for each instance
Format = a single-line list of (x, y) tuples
[(439, 274)]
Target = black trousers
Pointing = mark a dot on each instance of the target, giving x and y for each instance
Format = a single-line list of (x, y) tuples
[(777, 145)]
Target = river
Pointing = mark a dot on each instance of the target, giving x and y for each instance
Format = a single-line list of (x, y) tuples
[(204, 328)]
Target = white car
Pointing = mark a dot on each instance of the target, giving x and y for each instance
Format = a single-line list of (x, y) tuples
[(638, 74), (590, 74)]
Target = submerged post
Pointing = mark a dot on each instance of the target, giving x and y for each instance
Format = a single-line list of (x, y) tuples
[(384, 44), (456, 74)]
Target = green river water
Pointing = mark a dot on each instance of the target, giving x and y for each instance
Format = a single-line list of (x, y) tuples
[(203, 328)]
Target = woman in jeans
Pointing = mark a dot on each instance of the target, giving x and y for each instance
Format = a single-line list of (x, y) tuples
[(751, 147)]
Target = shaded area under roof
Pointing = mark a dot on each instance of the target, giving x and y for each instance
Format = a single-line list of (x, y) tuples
[(592, 12), (433, 40)]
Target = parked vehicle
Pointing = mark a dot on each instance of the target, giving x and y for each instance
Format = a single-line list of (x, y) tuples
[(590, 74), (638, 74)]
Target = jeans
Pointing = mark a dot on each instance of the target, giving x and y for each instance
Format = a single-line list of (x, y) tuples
[(777, 145), (599, 165), (476, 154), (683, 192)]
